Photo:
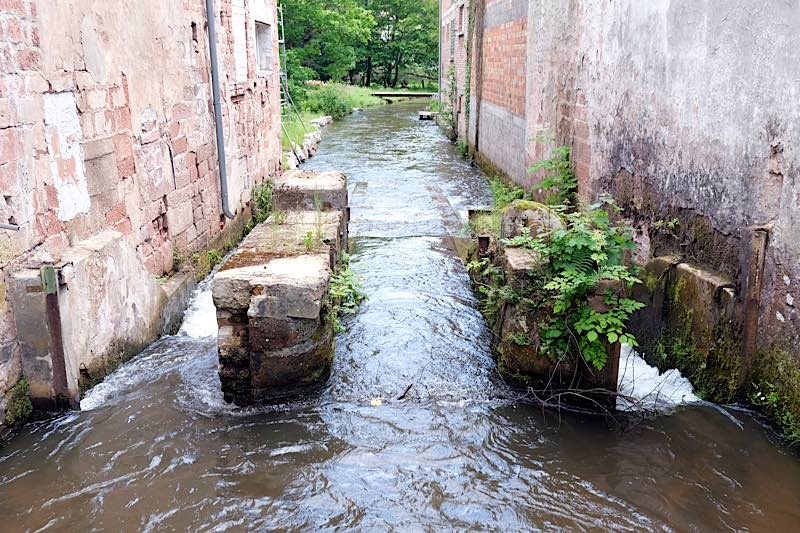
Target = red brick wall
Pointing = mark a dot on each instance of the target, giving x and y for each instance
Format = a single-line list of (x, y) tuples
[(504, 52)]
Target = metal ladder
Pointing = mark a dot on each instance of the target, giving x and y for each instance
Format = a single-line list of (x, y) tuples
[(287, 104)]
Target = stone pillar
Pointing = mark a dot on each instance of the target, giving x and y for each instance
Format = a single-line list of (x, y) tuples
[(275, 331)]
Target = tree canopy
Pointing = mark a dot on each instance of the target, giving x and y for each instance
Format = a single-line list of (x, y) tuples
[(363, 41)]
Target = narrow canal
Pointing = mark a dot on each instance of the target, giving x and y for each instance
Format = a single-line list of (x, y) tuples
[(156, 448)]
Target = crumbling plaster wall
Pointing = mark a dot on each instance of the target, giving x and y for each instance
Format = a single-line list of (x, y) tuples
[(682, 110), (106, 123)]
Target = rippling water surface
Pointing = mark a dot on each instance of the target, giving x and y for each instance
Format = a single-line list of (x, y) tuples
[(156, 448)]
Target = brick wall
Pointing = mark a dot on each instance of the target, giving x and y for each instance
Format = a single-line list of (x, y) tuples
[(106, 121)]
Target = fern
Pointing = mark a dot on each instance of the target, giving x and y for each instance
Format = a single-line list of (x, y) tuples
[(588, 250)]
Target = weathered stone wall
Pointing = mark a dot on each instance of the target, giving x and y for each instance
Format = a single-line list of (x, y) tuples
[(106, 123), (684, 110)]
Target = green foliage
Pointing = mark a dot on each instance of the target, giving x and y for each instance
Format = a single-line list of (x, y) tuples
[(447, 105), (310, 241), (345, 293), (490, 282), (262, 201), (404, 42), (776, 391), (463, 148), (19, 406), (295, 128), (327, 101), (670, 224), (360, 40), (558, 175), (324, 38), (504, 194), (177, 259), (588, 250), (214, 257)]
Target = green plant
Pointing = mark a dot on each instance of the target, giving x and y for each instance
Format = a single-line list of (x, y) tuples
[(262, 201), (214, 257), (587, 252), (328, 101), (559, 178), (463, 148), (309, 241), (670, 224), (447, 106), (345, 293), (766, 396), (504, 194), (19, 406), (177, 259), (520, 339)]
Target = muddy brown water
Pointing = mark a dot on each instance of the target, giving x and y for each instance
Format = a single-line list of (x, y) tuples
[(158, 449)]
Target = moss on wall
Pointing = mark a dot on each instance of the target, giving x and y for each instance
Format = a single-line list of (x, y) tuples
[(775, 390), (19, 406)]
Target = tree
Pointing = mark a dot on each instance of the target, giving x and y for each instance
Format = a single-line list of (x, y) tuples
[(324, 37), (370, 39), (404, 39)]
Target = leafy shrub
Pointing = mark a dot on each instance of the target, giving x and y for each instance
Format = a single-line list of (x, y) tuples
[(327, 100), (577, 258), (345, 293), (559, 177)]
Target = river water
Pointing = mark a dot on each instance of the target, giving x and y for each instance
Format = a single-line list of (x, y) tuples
[(156, 447)]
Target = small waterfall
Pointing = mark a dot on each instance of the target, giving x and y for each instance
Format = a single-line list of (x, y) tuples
[(198, 329), (200, 320), (642, 387)]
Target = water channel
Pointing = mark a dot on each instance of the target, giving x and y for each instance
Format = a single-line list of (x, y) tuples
[(156, 448)]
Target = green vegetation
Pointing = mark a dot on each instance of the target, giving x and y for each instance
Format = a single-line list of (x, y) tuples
[(262, 201), (580, 259), (776, 391), (315, 100), (203, 264), (558, 179), (19, 406), (392, 42), (295, 128), (447, 106), (577, 293), (345, 293), (489, 223)]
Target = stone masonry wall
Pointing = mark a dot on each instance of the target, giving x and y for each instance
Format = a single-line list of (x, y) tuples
[(683, 110), (106, 123)]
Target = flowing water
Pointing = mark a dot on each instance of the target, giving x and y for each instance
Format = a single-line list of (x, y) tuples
[(156, 448)]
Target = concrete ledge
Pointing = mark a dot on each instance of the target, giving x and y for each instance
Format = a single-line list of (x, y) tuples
[(103, 308)]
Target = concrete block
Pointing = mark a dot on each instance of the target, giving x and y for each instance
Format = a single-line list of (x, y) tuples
[(303, 190)]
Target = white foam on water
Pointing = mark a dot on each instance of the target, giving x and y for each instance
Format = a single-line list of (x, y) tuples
[(200, 320), (642, 387)]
